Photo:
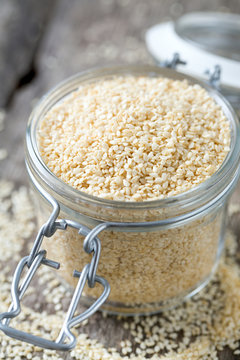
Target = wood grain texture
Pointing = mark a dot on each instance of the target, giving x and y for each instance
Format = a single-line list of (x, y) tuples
[(81, 34)]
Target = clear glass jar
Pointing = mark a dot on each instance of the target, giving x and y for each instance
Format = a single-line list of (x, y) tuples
[(172, 246)]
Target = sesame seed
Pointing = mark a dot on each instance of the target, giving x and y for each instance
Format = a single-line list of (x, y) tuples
[(147, 136)]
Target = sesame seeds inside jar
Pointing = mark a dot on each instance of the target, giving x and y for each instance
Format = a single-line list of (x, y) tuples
[(123, 146), (135, 138)]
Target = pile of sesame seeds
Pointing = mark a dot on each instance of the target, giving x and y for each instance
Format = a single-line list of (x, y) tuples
[(135, 138), (195, 330)]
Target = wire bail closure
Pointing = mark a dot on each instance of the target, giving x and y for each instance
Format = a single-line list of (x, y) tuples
[(66, 340), (37, 257)]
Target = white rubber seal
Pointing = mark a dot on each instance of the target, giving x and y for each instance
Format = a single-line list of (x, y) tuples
[(162, 42)]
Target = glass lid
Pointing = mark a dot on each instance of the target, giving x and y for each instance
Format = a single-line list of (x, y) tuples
[(218, 33)]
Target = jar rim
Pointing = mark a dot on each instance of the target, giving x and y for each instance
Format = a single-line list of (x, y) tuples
[(200, 194)]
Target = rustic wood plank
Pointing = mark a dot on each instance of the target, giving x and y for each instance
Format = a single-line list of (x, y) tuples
[(93, 33)]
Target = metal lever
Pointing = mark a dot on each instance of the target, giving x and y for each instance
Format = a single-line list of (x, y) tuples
[(18, 292), (70, 321)]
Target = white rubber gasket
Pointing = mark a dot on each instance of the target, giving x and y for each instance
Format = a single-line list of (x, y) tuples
[(163, 41)]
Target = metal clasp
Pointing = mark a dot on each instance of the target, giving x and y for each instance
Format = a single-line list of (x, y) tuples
[(173, 63), (214, 77), (66, 340)]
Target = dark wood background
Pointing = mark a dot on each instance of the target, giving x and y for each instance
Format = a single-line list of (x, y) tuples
[(43, 42)]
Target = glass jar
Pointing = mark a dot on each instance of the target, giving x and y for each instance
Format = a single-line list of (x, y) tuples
[(154, 253)]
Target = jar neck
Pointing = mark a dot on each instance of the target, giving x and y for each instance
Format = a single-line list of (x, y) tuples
[(121, 220)]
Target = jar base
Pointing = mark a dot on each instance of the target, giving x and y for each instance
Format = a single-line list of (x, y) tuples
[(115, 308)]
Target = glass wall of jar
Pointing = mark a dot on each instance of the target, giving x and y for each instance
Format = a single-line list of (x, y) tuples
[(156, 253)]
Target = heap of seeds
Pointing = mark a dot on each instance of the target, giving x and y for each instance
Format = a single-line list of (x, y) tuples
[(135, 138), (195, 330)]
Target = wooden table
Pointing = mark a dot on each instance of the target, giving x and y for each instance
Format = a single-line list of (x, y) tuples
[(43, 42)]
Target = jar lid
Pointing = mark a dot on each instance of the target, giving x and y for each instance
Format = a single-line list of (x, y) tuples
[(203, 40)]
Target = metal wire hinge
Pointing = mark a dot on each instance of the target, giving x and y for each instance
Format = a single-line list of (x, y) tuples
[(66, 340), (214, 77), (173, 63)]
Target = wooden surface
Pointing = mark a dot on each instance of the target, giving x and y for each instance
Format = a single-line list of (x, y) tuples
[(43, 42)]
